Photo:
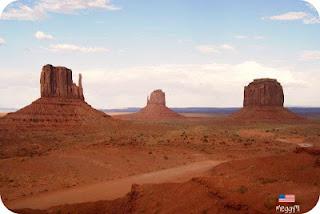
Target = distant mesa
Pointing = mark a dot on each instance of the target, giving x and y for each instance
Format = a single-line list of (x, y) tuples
[(157, 97), (264, 100), (61, 102), (155, 109), (263, 92)]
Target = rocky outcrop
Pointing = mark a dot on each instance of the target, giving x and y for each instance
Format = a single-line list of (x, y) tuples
[(155, 109), (263, 100), (157, 97), (263, 92), (57, 82), (62, 102)]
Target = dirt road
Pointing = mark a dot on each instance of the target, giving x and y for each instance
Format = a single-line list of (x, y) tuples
[(112, 189)]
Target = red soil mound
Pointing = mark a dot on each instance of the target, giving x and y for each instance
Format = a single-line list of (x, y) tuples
[(265, 113), (309, 150), (54, 111), (153, 111)]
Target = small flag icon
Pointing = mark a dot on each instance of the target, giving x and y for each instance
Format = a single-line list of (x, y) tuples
[(287, 198)]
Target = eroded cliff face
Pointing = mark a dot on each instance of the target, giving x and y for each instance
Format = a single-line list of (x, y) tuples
[(263, 100), (263, 92), (157, 97), (57, 82)]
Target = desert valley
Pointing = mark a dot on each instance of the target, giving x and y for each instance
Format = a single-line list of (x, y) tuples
[(60, 155)]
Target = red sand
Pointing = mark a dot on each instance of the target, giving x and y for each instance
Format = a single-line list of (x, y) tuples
[(245, 186)]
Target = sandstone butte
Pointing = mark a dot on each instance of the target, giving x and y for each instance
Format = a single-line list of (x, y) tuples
[(155, 109), (263, 100), (61, 102), (57, 82)]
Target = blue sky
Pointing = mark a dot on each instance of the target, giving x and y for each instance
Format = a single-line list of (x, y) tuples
[(201, 53)]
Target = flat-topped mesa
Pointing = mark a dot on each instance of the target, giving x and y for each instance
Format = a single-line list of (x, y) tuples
[(263, 92), (263, 101), (157, 97), (57, 82)]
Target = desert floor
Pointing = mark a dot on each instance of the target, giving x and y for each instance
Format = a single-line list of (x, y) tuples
[(2, 114), (203, 163)]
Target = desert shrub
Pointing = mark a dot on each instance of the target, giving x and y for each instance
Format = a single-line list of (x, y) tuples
[(242, 189), (270, 202), (267, 180)]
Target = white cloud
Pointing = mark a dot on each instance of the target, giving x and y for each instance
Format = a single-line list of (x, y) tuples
[(241, 37), (43, 36), (258, 37), (210, 84), (190, 84), (227, 47), (2, 41), (310, 55), (209, 49), (182, 41), (295, 16), (314, 5), (312, 20), (42, 7), (76, 48), (22, 12), (290, 16), (249, 37)]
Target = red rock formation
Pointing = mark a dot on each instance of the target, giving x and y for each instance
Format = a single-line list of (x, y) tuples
[(263, 92), (263, 100), (57, 82), (155, 109), (157, 97), (62, 102)]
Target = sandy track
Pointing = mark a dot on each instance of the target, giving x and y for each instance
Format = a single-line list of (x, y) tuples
[(2, 114), (296, 141), (112, 189)]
